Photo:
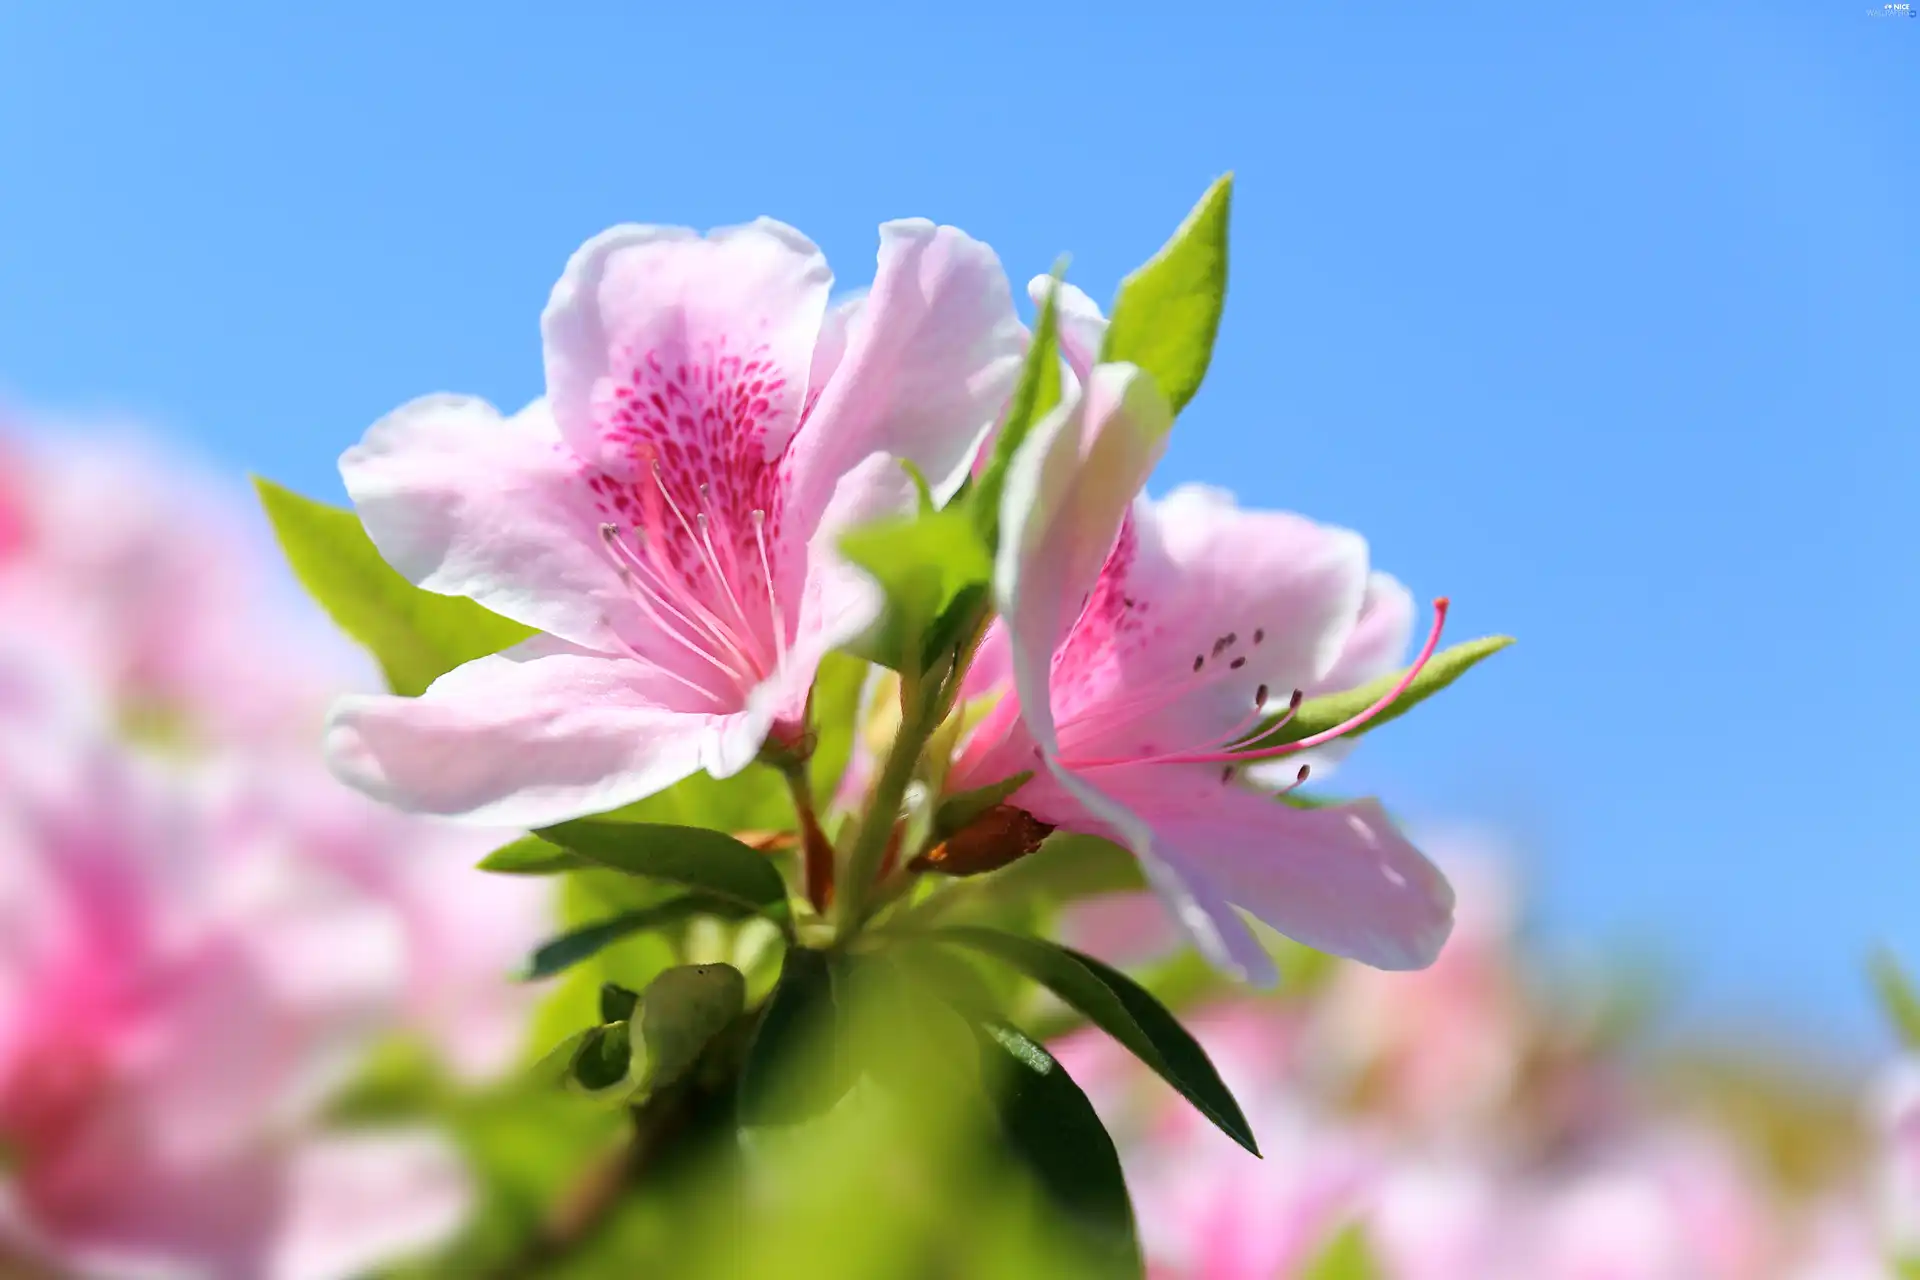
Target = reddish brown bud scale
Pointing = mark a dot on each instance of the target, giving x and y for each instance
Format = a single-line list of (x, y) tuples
[(1001, 835)]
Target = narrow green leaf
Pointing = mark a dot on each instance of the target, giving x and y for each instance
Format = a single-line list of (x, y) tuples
[(922, 564), (681, 1012), (792, 1070), (531, 856), (1167, 312), (711, 862), (957, 810), (415, 635), (571, 948), (1898, 998), (1034, 396), (1053, 1130), (1317, 715), (1124, 1010)]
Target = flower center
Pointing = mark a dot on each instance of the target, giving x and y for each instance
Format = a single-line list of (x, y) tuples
[(1241, 744), (706, 581)]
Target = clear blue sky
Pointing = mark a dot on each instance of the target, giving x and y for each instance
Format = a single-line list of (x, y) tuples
[(1600, 318)]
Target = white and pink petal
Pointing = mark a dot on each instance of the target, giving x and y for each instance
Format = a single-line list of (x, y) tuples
[(464, 502), (540, 733), (693, 351), (930, 359), (1068, 491)]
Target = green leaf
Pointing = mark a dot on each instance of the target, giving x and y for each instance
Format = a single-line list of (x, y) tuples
[(681, 1012), (617, 1003), (1317, 715), (1034, 396), (416, 635), (531, 856), (957, 810), (604, 1058), (1167, 312), (1068, 866), (753, 799), (922, 563), (1053, 1130), (1898, 999), (919, 1049), (590, 940), (793, 1070), (1124, 1010), (711, 862), (1347, 1256)]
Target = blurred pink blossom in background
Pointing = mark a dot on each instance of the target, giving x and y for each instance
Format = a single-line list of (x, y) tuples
[(202, 934), (1468, 1122)]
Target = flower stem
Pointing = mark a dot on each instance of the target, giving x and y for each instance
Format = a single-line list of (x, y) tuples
[(816, 851), (919, 699)]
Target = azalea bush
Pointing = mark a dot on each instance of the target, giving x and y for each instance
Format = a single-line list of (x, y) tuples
[(903, 846)]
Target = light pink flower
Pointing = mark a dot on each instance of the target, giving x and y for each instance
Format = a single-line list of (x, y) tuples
[(1894, 1113), (1144, 640), (176, 997), (667, 516), (463, 933), (1442, 1048), (143, 581)]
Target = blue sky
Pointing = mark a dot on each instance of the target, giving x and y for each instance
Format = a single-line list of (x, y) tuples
[(1600, 319)]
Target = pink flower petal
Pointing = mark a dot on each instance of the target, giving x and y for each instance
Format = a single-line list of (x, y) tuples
[(1067, 492), (931, 356), (464, 502), (1341, 880), (354, 1202), (657, 334), (535, 735)]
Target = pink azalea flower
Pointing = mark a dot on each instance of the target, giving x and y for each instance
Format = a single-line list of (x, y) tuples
[(175, 1000), (1144, 641), (667, 516)]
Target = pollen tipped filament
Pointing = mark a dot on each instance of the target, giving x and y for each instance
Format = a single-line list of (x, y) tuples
[(1234, 748)]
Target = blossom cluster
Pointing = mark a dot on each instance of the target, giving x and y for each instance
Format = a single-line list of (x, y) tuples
[(669, 519), (871, 723)]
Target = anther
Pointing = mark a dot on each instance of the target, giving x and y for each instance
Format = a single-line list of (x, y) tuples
[(1260, 696)]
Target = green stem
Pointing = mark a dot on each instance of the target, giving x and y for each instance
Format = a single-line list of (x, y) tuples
[(917, 721)]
